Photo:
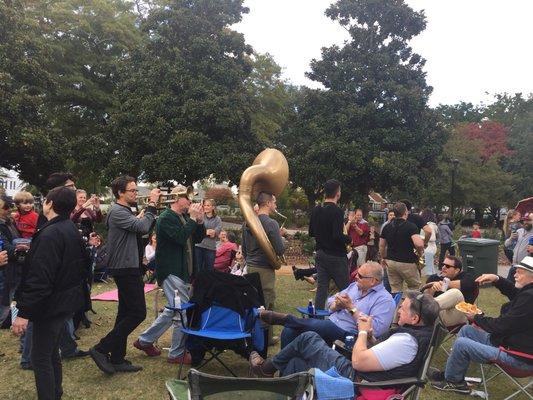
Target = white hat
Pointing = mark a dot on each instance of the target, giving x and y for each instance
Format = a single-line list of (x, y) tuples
[(526, 263)]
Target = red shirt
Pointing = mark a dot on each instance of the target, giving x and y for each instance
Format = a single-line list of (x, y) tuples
[(26, 223), (476, 234), (223, 256), (359, 240)]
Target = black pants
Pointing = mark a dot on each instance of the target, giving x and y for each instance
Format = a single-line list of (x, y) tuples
[(330, 267), (443, 248), (131, 312), (45, 357)]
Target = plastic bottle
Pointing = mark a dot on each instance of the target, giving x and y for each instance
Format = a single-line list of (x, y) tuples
[(311, 307), (177, 299), (445, 284)]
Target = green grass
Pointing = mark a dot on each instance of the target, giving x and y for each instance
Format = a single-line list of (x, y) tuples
[(82, 380)]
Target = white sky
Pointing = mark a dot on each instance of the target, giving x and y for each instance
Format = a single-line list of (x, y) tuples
[(471, 46)]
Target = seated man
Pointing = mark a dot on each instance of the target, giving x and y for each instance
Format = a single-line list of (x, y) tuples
[(513, 329), (399, 354), (365, 296), (461, 287)]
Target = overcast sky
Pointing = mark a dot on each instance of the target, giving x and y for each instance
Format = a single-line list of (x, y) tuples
[(471, 46)]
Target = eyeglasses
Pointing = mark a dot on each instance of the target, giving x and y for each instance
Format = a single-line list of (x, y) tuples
[(132, 190), (363, 277), (420, 304)]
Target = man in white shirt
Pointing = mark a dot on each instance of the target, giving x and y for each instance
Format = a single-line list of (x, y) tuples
[(398, 355)]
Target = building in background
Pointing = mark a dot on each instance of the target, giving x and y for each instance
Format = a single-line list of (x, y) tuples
[(10, 182)]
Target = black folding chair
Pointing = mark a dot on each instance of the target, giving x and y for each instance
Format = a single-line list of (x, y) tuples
[(202, 386)]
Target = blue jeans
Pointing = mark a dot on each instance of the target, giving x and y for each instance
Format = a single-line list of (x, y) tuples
[(473, 344), (326, 329), (169, 318), (205, 259), (310, 351)]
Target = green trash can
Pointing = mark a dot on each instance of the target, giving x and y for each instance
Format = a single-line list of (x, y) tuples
[(480, 256)]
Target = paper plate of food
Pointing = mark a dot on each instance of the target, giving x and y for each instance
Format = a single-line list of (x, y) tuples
[(468, 308)]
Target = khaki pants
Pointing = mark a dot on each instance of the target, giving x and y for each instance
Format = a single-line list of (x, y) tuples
[(268, 283), (448, 314), (400, 272)]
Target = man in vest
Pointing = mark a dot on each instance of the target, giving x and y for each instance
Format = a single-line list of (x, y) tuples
[(398, 354)]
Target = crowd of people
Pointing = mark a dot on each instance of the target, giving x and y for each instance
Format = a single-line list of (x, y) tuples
[(49, 260)]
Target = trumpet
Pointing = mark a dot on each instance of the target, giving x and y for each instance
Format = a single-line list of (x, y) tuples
[(165, 198)]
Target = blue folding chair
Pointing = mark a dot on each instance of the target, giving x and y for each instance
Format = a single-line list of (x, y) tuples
[(221, 329), (397, 298)]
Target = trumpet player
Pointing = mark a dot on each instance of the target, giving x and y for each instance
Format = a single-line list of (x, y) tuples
[(256, 259), (125, 267), (400, 247)]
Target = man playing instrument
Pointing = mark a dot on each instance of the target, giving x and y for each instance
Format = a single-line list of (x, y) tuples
[(256, 259)]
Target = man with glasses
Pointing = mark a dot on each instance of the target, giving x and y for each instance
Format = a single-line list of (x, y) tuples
[(366, 296), (124, 249), (398, 354), (450, 287)]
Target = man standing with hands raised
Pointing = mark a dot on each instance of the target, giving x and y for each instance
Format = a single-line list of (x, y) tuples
[(178, 229), (124, 246)]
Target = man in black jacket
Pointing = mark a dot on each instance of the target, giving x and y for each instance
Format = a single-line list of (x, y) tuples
[(327, 227), (513, 329), (52, 288)]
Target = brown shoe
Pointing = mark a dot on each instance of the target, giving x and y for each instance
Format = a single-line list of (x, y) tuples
[(185, 358), (272, 317), (256, 365)]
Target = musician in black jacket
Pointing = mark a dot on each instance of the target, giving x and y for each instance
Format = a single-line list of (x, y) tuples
[(52, 288), (480, 342)]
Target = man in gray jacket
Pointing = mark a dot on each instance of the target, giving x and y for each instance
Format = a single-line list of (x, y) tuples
[(256, 259), (124, 248)]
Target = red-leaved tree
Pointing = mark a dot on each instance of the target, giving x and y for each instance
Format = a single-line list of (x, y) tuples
[(221, 195), (492, 136)]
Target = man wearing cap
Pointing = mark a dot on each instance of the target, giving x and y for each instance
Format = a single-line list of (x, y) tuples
[(513, 329), (522, 237), (178, 229)]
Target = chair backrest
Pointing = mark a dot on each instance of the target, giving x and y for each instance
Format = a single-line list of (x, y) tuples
[(224, 320), (438, 335), (397, 298), (214, 387)]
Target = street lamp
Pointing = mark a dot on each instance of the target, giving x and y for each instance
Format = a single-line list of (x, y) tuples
[(455, 162)]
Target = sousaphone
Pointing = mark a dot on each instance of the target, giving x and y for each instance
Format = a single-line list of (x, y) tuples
[(268, 173)]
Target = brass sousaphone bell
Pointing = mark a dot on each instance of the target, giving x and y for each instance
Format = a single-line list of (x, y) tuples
[(268, 173)]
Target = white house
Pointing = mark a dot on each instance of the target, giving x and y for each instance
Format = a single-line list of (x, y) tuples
[(10, 182)]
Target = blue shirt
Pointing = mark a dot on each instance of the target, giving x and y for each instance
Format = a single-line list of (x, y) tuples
[(377, 302)]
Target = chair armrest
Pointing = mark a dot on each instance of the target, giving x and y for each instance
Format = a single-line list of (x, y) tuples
[(391, 383), (318, 313), (341, 349)]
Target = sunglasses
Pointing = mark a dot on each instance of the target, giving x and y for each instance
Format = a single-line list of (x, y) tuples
[(448, 266), (363, 277)]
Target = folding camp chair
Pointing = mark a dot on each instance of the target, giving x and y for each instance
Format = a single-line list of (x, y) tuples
[(224, 329), (454, 329), (202, 386), (410, 387), (511, 372)]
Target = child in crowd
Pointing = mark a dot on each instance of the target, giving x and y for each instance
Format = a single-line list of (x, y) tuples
[(26, 217), (476, 233)]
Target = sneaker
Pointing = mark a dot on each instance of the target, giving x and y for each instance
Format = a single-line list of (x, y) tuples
[(457, 387), (127, 366), (149, 349), (435, 375), (102, 361), (77, 354), (185, 358)]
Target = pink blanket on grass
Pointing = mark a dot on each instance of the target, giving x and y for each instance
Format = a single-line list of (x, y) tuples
[(112, 295)]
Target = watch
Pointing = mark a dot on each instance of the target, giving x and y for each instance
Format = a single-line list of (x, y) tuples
[(352, 311)]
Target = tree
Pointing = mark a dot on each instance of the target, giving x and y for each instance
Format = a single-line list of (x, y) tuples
[(184, 109), (371, 128), (492, 136)]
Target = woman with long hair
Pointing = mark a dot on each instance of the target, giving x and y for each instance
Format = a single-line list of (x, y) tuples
[(86, 213), (431, 249), (205, 251)]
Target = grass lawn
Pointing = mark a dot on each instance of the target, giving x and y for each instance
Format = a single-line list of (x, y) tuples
[(82, 380)]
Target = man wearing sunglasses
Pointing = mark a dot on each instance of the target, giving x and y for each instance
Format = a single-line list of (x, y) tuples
[(398, 354), (450, 287), (365, 296)]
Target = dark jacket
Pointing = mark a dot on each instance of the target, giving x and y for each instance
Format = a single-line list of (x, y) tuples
[(326, 225), (513, 329), (55, 272), (10, 272)]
